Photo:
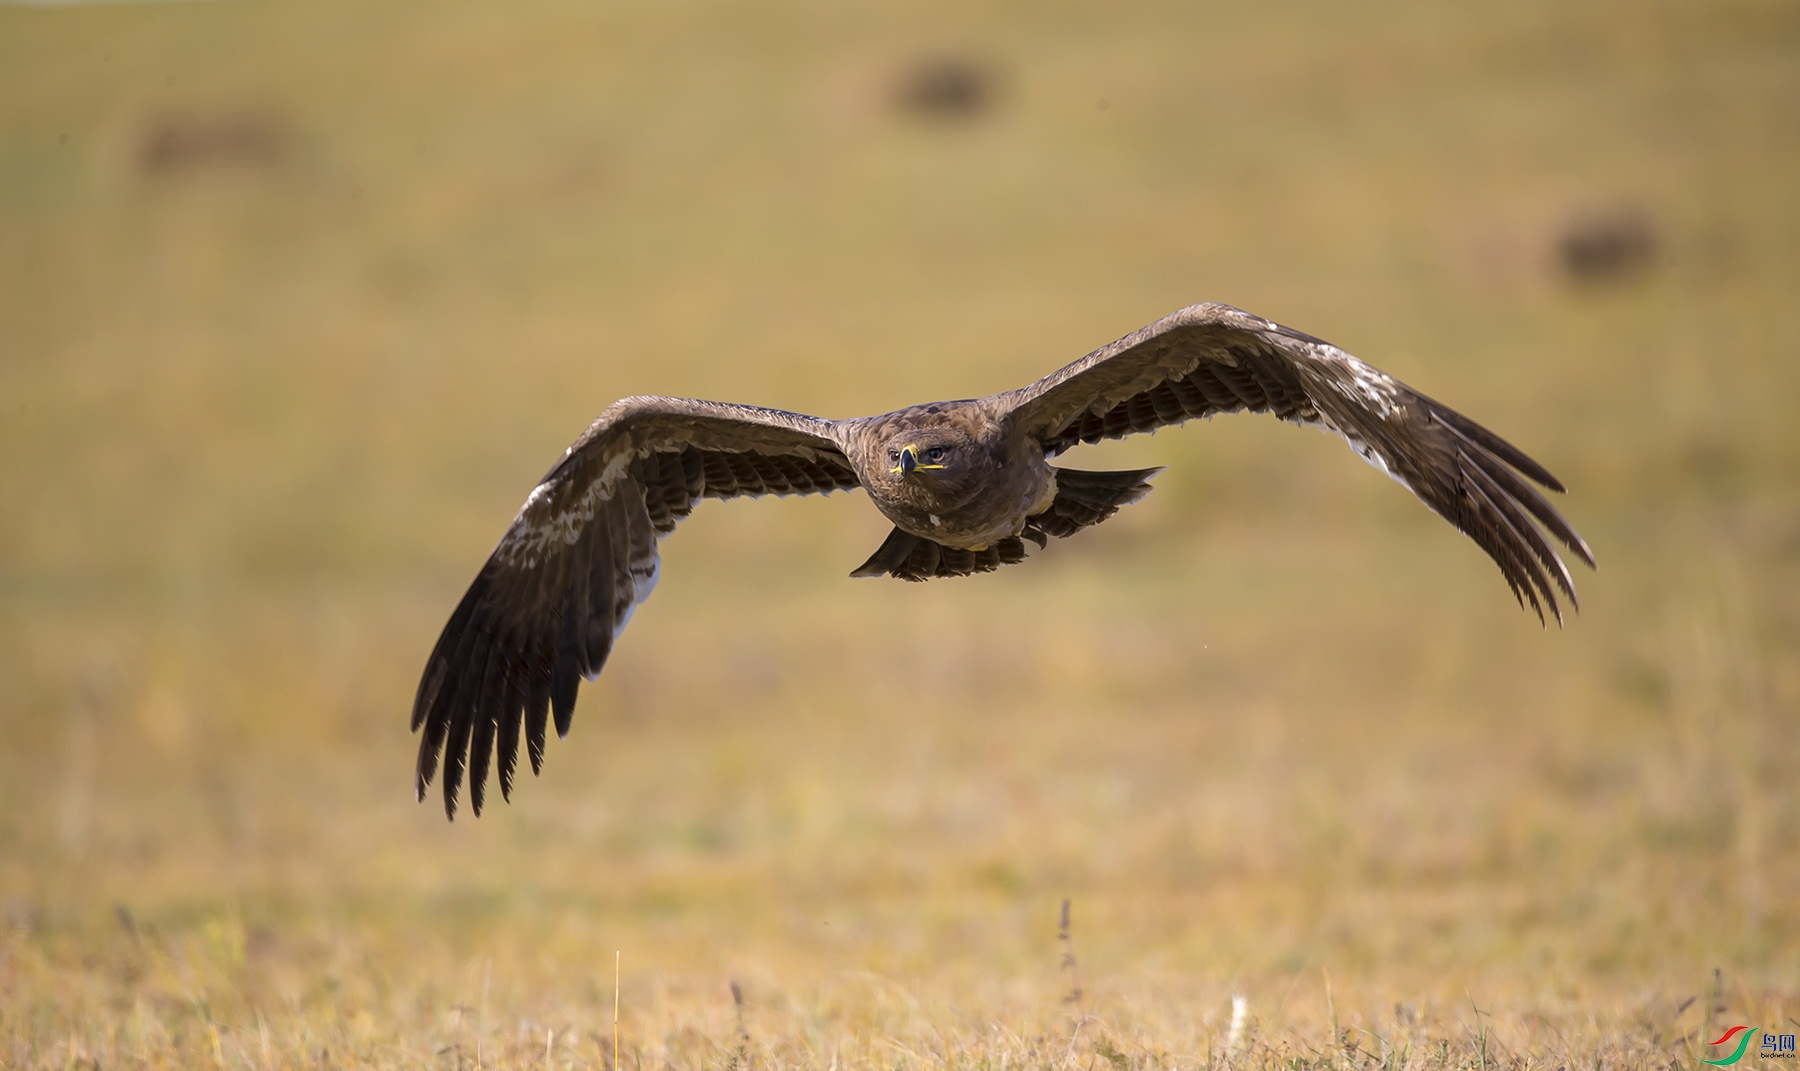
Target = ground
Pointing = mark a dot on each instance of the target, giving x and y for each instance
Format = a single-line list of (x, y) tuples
[(297, 302)]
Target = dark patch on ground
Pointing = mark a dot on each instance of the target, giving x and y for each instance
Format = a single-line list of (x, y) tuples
[(1608, 246), (189, 140), (947, 87)]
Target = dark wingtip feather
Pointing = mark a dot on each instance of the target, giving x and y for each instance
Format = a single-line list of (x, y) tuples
[(1580, 548), (433, 680), (1516, 554), (445, 685), (439, 724), (565, 682), (537, 719), (451, 792), (565, 678), (1518, 596), (1521, 491), (1495, 445), (426, 767), (468, 710), (508, 740), (481, 748), (1529, 543)]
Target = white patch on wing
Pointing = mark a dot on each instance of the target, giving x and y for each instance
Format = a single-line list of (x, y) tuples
[(645, 570), (645, 583), (536, 532), (1359, 382), (1367, 387), (1369, 454), (530, 538)]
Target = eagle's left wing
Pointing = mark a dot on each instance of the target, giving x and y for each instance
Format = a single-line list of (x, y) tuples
[(1212, 358), (545, 609)]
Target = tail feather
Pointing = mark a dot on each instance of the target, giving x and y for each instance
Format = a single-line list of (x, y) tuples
[(1083, 499), (911, 557)]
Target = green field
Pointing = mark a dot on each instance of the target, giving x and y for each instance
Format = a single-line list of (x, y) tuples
[(298, 300)]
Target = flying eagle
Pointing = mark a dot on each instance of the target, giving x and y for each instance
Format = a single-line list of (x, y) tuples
[(966, 484)]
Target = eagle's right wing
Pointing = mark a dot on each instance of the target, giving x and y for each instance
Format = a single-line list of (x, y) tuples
[(545, 609)]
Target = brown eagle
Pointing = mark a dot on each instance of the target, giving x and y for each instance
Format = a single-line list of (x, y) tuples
[(966, 484)]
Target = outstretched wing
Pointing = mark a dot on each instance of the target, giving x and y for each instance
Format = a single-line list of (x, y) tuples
[(1212, 358), (545, 609)]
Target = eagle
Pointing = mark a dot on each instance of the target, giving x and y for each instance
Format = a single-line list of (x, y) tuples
[(966, 484)]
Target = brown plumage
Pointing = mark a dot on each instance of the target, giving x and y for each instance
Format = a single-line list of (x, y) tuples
[(966, 483)]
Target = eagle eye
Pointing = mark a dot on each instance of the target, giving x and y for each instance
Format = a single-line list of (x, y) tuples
[(936, 453), (893, 455)]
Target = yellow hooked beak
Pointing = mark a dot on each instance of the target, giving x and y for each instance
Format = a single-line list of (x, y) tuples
[(909, 460)]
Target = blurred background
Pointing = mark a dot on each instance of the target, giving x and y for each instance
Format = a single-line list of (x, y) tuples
[(297, 301)]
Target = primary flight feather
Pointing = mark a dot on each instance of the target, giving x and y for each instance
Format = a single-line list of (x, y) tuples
[(966, 483)]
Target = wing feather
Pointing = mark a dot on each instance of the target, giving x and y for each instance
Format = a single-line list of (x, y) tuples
[(1496, 533), (446, 672), (508, 739), (537, 718), (494, 686), (462, 724), (548, 605), (1529, 497), (1209, 359)]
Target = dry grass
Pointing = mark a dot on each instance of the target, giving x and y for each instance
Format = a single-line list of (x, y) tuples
[(297, 300)]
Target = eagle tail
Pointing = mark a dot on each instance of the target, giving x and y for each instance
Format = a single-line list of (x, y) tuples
[(1084, 499), (911, 557)]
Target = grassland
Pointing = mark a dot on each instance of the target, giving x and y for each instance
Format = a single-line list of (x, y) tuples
[(296, 301)]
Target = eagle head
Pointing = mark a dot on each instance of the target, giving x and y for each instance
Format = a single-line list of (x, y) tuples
[(937, 454)]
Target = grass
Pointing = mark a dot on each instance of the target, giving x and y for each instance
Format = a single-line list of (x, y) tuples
[(1275, 734)]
